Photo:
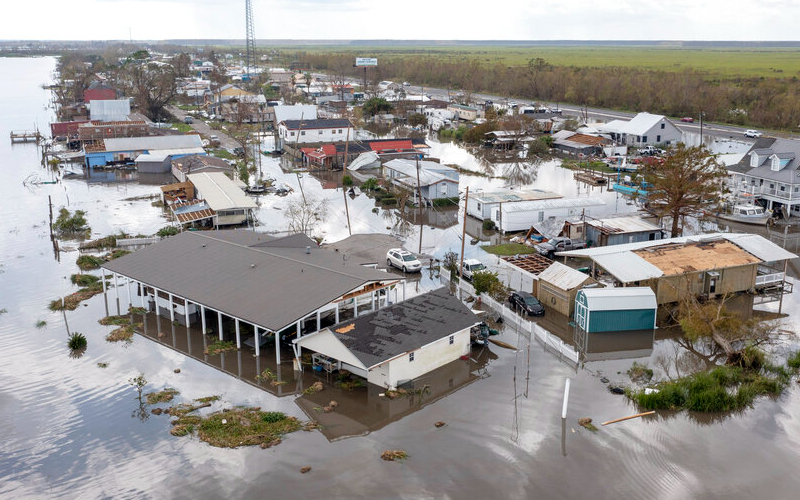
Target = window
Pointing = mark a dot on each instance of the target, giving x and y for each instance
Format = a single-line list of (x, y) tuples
[(662, 125), (302, 132), (452, 339), (340, 131), (291, 133), (658, 138), (410, 357), (775, 164), (541, 216), (644, 138), (320, 132), (753, 160)]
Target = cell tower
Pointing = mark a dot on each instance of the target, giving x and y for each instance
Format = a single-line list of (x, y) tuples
[(250, 60)]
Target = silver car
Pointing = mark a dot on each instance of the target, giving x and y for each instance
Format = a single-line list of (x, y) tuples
[(403, 259)]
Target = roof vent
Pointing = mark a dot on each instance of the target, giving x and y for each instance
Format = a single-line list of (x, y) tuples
[(308, 249), (252, 266), (204, 245)]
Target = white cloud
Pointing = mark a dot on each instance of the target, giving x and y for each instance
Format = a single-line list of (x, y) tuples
[(411, 19)]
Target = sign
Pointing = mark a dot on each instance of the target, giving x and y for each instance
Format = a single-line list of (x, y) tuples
[(366, 61)]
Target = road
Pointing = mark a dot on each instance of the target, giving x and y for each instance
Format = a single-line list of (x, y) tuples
[(225, 141)]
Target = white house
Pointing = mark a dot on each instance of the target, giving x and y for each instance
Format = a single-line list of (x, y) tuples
[(224, 197), (482, 204), (644, 129), (285, 112), (315, 131), (541, 213), (467, 113), (398, 343), (435, 180), (769, 171)]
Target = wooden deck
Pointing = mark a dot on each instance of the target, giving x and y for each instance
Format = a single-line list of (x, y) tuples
[(25, 136)]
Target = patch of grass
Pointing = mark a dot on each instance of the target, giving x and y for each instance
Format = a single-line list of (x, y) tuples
[(89, 262), (123, 333), (445, 202), (163, 396), (116, 254), (102, 365), (41, 323), (348, 381), (220, 346), (100, 243), (115, 320), (722, 389), (182, 127), (73, 300), (208, 399), (84, 279), (640, 373), (794, 361), (394, 455), (137, 310), (313, 388), (222, 153), (3, 311), (506, 249), (242, 426), (76, 341)]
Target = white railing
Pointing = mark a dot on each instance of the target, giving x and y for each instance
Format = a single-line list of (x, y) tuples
[(133, 242), (767, 279), (564, 351)]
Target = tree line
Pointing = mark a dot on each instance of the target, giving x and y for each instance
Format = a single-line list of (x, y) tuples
[(761, 102)]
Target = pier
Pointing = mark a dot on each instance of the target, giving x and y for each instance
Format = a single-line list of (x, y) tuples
[(25, 136)]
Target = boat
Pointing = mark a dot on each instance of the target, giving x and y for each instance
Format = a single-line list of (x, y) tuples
[(627, 187), (745, 214)]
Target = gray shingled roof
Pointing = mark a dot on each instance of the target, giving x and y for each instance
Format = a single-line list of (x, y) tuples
[(319, 123), (405, 326), (270, 286), (762, 145)]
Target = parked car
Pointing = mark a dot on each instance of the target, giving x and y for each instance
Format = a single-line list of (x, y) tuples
[(559, 244), (687, 119), (524, 301), (188, 120), (403, 259), (755, 134), (651, 151), (406, 84), (470, 267)]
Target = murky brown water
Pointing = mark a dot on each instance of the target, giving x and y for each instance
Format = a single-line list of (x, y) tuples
[(74, 430)]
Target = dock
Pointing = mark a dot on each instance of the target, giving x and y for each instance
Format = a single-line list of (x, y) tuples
[(25, 136)]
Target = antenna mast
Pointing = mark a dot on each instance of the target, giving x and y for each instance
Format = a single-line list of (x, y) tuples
[(250, 39)]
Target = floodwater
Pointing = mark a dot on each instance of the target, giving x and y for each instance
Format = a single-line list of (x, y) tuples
[(74, 430)]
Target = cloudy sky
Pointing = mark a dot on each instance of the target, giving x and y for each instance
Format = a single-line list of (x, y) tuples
[(406, 19)]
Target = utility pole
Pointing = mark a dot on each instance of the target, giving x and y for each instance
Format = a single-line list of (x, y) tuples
[(701, 127), (463, 240), (344, 189)]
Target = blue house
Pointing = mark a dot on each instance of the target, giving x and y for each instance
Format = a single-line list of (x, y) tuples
[(126, 149)]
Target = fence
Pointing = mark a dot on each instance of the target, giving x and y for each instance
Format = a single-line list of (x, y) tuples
[(551, 342)]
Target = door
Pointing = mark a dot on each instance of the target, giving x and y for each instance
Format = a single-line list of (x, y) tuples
[(712, 286)]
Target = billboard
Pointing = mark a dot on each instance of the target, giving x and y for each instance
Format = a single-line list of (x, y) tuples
[(366, 61)]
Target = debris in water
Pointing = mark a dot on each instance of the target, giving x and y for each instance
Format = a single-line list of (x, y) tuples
[(176, 370), (587, 423), (220, 346), (502, 344), (615, 389), (629, 417), (313, 388), (392, 455), (303, 470), (604, 380), (157, 411), (439, 424), (102, 365), (123, 333), (163, 396)]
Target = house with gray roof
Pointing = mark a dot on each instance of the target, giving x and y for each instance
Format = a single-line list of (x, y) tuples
[(247, 286), (768, 172), (399, 343)]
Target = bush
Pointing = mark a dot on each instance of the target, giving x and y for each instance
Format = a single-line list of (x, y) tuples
[(370, 184), (88, 262), (71, 224), (539, 146), (84, 279), (417, 119), (389, 200), (445, 202), (794, 361), (76, 341), (347, 180), (488, 224), (167, 231), (487, 282), (272, 416), (477, 134)]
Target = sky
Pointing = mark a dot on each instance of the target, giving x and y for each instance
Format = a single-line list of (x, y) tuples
[(404, 20)]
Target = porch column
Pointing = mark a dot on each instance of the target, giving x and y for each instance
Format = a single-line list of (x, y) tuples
[(238, 337), (374, 296), (142, 293), (337, 313), (128, 287), (171, 309), (116, 288), (319, 322), (355, 306), (203, 318), (103, 272), (186, 312), (278, 349), (257, 339), (298, 336), (219, 319)]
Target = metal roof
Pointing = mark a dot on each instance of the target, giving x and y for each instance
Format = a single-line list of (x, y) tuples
[(619, 298), (616, 225), (270, 286), (157, 157), (627, 266), (563, 277), (110, 110), (507, 196), (219, 191), (554, 203), (379, 336), (153, 142), (760, 247), (296, 112)]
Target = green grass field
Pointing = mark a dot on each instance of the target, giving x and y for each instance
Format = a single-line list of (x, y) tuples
[(724, 62)]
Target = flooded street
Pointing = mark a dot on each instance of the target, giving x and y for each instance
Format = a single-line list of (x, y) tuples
[(73, 429)]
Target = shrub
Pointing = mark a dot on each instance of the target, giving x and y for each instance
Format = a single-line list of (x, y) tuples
[(487, 282), (84, 279), (76, 341), (794, 361), (370, 184), (88, 262), (488, 224), (41, 323), (347, 180), (272, 416), (71, 224), (167, 231)]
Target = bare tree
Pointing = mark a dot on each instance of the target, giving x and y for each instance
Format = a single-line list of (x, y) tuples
[(153, 88), (304, 216)]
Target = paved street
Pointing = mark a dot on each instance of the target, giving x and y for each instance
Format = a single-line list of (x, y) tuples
[(199, 125)]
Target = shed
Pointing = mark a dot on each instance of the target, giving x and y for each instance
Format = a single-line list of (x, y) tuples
[(522, 215), (619, 230), (615, 309), (400, 342), (152, 163), (558, 286)]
